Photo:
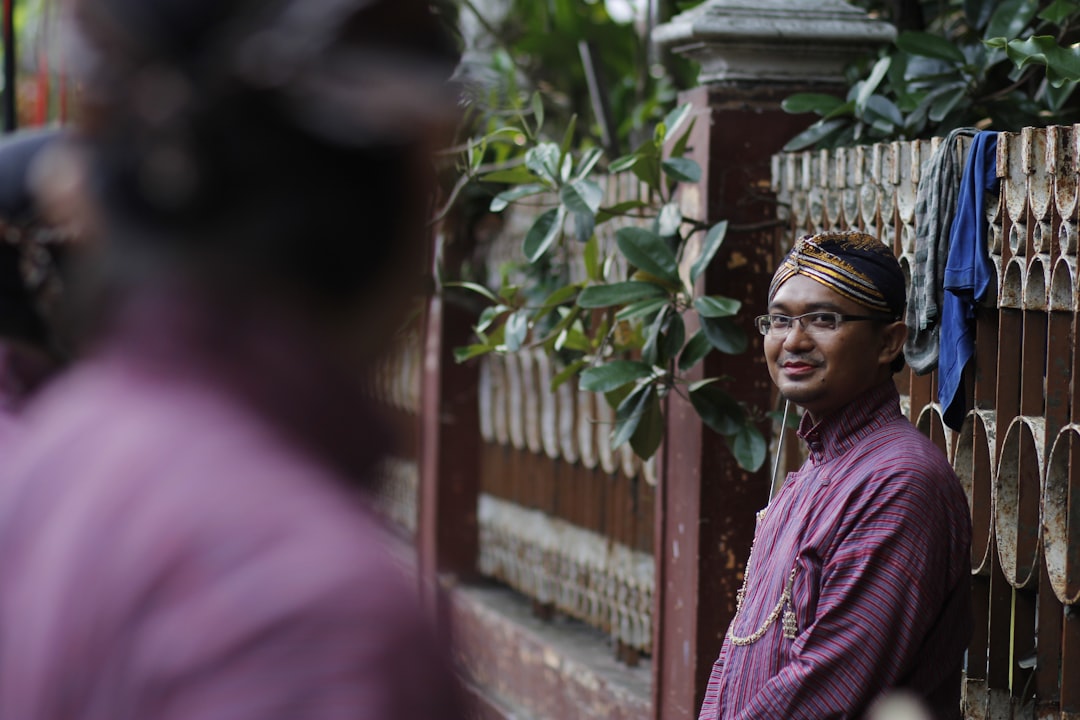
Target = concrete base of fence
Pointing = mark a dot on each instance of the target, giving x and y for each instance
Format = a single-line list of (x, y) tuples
[(520, 667)]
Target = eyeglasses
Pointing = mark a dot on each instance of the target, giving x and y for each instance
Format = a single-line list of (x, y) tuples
[(812, 323)]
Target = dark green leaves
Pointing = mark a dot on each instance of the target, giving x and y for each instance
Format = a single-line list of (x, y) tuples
[(811, 102), (618, 326), (622, 293), (929, 45), (613, 375), (1062, 64), (713, 240), (724, 335), (646, 250), (543, 233)]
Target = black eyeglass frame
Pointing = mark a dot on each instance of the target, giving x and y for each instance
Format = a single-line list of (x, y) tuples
[(764, 322)]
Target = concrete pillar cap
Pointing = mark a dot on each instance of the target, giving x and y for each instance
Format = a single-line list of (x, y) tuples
[(789, 41)]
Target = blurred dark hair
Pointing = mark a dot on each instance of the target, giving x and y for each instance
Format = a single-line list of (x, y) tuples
[(32, 251), (279, 139)]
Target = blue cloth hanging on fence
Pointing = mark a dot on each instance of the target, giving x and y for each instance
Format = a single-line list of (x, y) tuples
[(968, 273)]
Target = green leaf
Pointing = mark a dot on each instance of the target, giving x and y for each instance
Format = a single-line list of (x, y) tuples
[(538, 111), (488, 316), (679, 148), (716, 306), (642, 308), (461, 354), (716, 407), (621, 293), (612, 375), (650, 430), (572, 338), (811, 102), (748, 446), (568, 136), (592, 259), (1063, 64), (814, 134), (629, 414), (566, 167), (725, 335), (513, 176), (543, 160), (1059, 11), (978, 12), (558, 297), (543, 232), (1058, 95), (588, 162), (682, 169), (1011, 18), (669, 220), (713, 239), (624, 163), (944, 103), (648, 251), (517, 329), (673, 338), (868, 86), (843, 110), (675, 118), (581, 196), (566, 373), (647, 167), (925, 44), (695, 350), (584, 226), (620, 209), (474, 287), (651, 351), (503, 199), (881, 107)]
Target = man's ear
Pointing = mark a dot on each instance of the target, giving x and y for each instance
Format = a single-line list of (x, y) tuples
[(893, 337)]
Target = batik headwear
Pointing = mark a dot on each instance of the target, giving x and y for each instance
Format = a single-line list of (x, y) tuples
[(853, 264)]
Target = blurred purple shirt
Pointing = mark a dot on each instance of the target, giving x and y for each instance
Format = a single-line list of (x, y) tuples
[(23, 370), (178, 539)]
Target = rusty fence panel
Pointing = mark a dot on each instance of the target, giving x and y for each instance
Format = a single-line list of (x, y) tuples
[(394, 388), (1018, 450), (564, 518)]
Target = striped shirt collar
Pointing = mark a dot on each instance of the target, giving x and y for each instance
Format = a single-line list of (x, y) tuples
[(834, 435)]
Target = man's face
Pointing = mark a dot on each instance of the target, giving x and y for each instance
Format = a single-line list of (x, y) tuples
[(825, 372)]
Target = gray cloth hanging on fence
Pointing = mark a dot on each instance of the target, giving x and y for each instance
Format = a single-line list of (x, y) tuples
[(935, 205)]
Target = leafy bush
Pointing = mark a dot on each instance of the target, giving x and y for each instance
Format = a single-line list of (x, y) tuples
[(620, 330), (621, 334), (1001, 64)]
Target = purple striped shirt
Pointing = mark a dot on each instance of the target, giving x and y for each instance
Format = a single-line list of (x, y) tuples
[(881, 529)]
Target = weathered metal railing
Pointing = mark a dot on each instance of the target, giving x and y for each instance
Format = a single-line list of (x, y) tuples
[(1018, 450), (394, 386), (564, 518)]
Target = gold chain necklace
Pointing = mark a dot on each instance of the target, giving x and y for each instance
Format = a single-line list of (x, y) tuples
[(783, 605)]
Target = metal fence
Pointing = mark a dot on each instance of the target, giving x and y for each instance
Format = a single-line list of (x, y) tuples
[(1015, 450)]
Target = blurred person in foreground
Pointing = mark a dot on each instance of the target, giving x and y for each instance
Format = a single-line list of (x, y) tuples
[(33, 347), (181, 536), (858, 581)]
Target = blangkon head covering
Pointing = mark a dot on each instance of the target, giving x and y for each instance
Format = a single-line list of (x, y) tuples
[(853, 264)]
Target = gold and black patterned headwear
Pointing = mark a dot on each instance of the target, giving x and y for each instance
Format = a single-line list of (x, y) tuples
[(853, 264)]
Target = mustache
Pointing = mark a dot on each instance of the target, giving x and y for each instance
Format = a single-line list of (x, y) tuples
[(805, 359)]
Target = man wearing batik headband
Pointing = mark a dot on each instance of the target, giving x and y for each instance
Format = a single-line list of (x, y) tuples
[(857, 584)]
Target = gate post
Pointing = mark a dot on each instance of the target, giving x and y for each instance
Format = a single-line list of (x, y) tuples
[(753, 54)]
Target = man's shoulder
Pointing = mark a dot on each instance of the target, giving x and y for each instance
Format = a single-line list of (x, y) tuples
[(182, 462)]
